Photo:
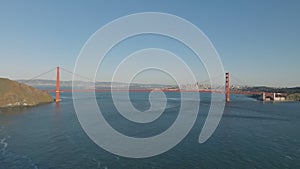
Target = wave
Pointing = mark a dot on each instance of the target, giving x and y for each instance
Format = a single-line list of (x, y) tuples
[(11, 158), (5, 144), (253, 117)]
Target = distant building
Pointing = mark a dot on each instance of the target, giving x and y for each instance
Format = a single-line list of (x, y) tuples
[(279, 96), (274, 96)]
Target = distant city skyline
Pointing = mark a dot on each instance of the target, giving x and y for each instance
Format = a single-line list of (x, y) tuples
[(257, 41)]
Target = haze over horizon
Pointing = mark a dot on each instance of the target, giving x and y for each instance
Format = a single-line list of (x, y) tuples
[(257, 41)]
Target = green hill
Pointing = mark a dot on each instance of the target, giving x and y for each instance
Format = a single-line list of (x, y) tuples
[(13, 94)]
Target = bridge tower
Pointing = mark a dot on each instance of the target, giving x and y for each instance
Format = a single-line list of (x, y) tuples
[(57, 91), (227, 87)]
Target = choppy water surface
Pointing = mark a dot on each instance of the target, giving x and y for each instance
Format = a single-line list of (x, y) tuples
[(251, 134)]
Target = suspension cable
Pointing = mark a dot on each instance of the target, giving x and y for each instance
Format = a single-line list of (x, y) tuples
[(84, 77), (238, 80), (40, 75)]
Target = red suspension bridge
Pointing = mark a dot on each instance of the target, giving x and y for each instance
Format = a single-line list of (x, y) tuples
[(227, 91)]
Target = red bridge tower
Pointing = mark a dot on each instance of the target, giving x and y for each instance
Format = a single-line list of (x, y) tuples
[(57, 91), (227, 87)]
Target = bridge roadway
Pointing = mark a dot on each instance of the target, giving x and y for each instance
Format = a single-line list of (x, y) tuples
[(156, 90)]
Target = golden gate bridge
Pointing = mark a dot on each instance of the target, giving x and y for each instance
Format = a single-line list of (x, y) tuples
[(227, 91)]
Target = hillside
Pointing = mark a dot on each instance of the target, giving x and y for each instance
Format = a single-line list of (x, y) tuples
[(13, 93), (290, 90)]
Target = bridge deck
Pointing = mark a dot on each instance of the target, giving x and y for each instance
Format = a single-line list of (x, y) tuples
[(154, 90)]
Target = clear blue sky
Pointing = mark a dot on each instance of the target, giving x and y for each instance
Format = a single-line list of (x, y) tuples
[(258, 41)]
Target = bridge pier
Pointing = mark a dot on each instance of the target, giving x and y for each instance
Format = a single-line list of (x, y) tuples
[(57, 91)]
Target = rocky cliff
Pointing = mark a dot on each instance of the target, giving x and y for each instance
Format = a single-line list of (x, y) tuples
[(14, 94)]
